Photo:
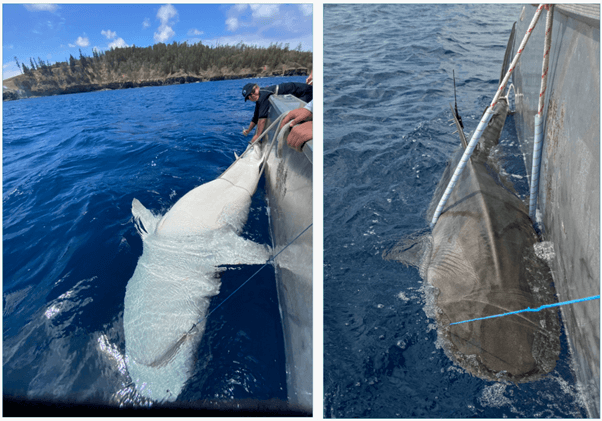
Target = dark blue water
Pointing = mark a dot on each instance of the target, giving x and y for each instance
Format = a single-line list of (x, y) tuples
[(71, 167), (387, 140)]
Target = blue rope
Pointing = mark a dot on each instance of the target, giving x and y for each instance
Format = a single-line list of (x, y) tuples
[(596, 297)]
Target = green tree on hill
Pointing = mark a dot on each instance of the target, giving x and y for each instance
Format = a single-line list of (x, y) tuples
[(162, 60)]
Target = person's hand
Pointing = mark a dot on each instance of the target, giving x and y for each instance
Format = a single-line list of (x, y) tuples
[(245, 132), (300, 134), (310, 79), (296, 116)]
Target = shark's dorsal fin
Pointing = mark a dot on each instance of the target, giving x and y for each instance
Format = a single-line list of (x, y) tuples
[(457, 118), (460, 130)]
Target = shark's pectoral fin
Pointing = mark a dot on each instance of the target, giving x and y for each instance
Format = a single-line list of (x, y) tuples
[(410, 250), (145, 221), (241, 251)]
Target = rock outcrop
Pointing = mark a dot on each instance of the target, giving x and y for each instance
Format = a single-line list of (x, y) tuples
[(23, 87)]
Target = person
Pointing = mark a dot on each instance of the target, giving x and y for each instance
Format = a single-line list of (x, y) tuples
[(261, 97), (302, 126)]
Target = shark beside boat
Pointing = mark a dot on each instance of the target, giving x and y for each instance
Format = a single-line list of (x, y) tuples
[(480, 261), (168, 296)]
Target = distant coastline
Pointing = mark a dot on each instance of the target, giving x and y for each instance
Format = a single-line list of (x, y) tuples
[(14, 89)]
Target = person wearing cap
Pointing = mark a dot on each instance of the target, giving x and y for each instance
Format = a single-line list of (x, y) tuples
[(261, 97)]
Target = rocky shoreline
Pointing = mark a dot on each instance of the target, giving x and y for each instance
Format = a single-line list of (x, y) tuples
[(9, 94)]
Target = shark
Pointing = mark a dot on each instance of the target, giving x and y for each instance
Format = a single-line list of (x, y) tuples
[(480, 259), (184, 251)]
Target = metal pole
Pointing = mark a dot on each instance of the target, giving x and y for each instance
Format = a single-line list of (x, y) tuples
[(484, 121)]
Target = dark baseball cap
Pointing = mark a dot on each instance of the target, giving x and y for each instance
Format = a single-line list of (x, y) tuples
[(247, 90)]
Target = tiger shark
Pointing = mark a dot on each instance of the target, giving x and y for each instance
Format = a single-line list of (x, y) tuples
[(479, 260), (168, 296)]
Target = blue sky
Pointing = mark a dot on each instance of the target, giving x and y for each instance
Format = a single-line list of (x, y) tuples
[(54, 31)]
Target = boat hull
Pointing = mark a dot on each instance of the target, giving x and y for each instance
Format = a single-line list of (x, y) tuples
[(289, 190), (569, 187)]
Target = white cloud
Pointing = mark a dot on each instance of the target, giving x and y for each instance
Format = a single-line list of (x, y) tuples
[(41, 7), (265, 24), (194, 32), (306, 9), (165, 33), (264, 10), (146, 23), (109, 34), (168, 15), (118, 43), (82, 42), (259, 12), (232, 24), (10, 70)]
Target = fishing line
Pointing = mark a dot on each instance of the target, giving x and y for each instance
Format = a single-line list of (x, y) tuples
[(171, 352), (163, 360), (271, 260), (251, 277), (529, 309)]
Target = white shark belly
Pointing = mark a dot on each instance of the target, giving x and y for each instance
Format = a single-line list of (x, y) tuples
[(168, 296), (212, 206)]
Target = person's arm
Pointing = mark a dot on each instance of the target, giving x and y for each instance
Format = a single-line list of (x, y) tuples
[(297, 116), (310, 106), (302, 131), (247, 131), (260, 127), (300, 134)]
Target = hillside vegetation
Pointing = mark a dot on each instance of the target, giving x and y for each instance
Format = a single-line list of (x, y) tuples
[(160, 64)]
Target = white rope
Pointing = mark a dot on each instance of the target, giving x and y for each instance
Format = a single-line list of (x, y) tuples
[(250, 145), (483, 123), (276, 132), (538, 135)]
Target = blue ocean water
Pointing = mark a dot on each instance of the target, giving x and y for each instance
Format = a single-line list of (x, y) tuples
[(72, 165), (387, 140)]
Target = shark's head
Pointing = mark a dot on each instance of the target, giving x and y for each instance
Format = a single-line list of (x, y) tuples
[(219, 204)]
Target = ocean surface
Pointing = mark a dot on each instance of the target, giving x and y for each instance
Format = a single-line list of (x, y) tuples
[(72, 165), (387, 140)]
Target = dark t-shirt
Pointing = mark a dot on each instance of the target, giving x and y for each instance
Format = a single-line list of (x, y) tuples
[(302, 91)]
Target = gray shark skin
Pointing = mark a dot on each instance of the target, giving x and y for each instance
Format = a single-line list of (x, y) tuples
[(480, 261)]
